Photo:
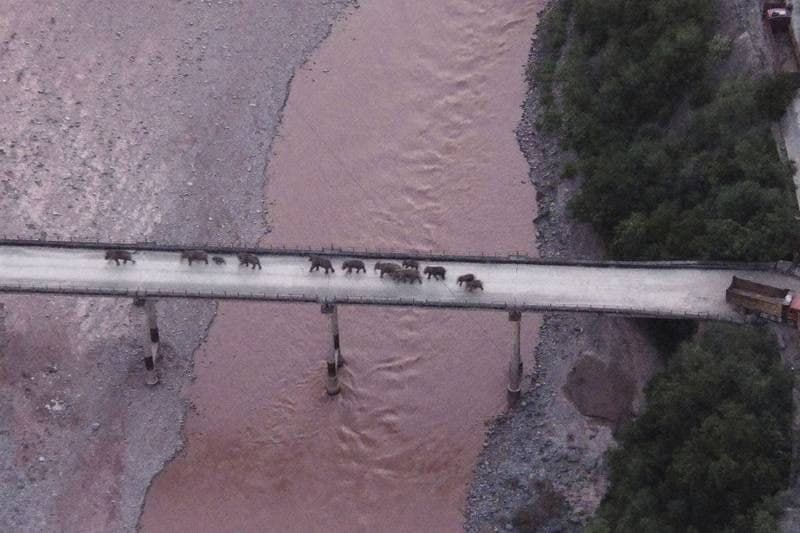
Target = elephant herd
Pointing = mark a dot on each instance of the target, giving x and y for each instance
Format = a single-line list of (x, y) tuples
[(245, 258), (405, 272)]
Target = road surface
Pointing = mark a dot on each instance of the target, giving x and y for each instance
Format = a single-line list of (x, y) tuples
[(641, 291)]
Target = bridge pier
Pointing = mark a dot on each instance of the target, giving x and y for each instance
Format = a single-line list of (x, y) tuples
[(335, 359), (150, 338), (515, 365)]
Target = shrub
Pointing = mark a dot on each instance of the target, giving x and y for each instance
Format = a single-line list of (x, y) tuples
[(551, 36), (570, 170), (706, 186), (714, 444), (678, 165)]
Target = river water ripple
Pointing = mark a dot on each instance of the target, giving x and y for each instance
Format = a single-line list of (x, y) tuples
[(398, 133)]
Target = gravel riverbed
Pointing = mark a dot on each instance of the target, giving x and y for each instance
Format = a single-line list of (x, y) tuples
[(137, 121)]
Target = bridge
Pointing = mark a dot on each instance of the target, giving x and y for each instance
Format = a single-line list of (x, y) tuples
[(512, 283)]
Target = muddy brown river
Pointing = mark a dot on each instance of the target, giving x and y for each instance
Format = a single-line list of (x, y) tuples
[(398, 133)]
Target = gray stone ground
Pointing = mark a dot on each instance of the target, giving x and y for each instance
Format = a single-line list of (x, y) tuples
[(149, 120)]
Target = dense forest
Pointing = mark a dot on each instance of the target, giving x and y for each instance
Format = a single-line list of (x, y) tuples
[(678, 162), (712, 445)]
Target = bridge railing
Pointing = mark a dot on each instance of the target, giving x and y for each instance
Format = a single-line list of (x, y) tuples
[(78, 290), (377, 253)]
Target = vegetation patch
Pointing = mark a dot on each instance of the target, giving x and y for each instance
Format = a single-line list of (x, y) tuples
[(713, 445), (676, 165), (679, 163), (551, 37)]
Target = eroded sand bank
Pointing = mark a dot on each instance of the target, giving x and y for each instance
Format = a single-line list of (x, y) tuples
[(398, 133)]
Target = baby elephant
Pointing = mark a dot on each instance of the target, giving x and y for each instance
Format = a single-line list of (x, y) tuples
[(356, 264), (410, 263), (119, 255), (474, 284), (406, 275), (249, 259), (466, 278), (194, 255), (386, 268), (436, 272), (218, 260), (318, 262)]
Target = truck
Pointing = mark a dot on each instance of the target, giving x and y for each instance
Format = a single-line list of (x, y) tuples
[(777, 17), (777, 14), (757, 300)]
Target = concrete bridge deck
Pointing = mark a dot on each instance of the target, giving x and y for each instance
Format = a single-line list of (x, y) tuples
[(635, 289)]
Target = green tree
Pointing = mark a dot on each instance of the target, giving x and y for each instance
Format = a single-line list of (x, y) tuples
[(677, 164), (713, 445)]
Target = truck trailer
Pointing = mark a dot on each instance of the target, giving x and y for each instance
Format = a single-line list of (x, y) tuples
[(758, 300)]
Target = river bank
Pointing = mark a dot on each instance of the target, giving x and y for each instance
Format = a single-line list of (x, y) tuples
[(145, 121), (545, 458)]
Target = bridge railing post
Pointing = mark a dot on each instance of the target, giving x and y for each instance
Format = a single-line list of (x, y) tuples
[(515, 365), (334, 359), (151, 339)]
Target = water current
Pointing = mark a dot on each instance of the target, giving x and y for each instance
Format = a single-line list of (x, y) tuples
[(398, 133)]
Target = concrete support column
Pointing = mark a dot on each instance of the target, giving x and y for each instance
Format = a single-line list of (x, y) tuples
[(151, 337), (335, 359), (515, 365)]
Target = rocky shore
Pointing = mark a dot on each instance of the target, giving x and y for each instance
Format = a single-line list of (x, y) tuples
[(543, 465)]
